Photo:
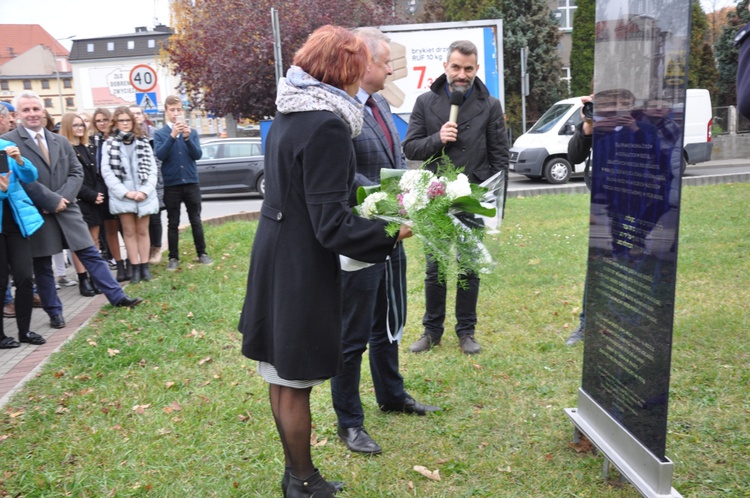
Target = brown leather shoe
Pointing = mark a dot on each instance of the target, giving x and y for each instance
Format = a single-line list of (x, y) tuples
[(9, 310)]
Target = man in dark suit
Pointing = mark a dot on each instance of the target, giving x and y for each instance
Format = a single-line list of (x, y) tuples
[(374, 306), (54, 194)]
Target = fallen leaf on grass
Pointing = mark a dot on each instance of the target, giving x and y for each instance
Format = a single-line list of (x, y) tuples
[(582, 446), (435, 476), (506, 469), (410, 485), (190, 314), (59, 373), (174, 406), (244, 417), (207, 359), (16, 414), (169, 384), (113, 352), (92, 342), (483, 445), (477, 366), (141, 409)]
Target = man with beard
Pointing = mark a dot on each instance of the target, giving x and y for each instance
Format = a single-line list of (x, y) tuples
[(475, 141)]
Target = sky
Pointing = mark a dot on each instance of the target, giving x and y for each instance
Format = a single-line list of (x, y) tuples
[(94, 18), (85, 18)]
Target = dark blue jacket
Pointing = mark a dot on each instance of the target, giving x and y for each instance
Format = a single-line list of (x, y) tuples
[(25, 212), (177, 156), (743, 71)]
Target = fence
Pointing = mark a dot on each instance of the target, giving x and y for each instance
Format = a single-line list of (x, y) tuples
[(727, 121)]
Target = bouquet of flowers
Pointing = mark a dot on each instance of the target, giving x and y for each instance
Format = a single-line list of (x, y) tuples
[(446, 212)]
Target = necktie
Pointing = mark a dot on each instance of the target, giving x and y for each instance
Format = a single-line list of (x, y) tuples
[(379, 118), (42, 147)]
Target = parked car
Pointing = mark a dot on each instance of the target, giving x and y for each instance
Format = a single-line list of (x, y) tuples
[(231, 165)]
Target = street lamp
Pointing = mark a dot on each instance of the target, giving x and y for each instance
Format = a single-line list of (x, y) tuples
[(57, 73)]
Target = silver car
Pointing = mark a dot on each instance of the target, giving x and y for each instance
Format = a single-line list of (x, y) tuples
[(231, 165)]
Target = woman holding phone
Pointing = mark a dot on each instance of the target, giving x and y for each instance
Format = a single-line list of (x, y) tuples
[(19, 218)]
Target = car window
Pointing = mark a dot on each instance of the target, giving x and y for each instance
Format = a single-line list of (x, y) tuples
[(210, 151), (238, 150)]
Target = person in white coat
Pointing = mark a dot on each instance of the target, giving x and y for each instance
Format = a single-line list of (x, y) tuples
[(129, 170)]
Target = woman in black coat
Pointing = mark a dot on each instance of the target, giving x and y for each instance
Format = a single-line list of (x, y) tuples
[(91, 195), (291, 319)]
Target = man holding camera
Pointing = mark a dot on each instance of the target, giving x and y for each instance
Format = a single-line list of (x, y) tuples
[(177, 146)]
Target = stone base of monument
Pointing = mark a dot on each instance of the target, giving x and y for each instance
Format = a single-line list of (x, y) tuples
[(651, 476)]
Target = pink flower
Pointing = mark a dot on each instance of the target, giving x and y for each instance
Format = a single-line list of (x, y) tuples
[(436, 189)]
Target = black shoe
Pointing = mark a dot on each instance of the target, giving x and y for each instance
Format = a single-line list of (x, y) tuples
[(129, 302), (135, 277), (357, 439), (146, 272), (128, 270), (313, 486), (84, 286), (120, 271), (410, 405), (31, 338), (424, 343), (335, 486), (9, 343), (57, 322)]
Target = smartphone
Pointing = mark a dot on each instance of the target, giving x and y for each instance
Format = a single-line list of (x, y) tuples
[(3, 161)]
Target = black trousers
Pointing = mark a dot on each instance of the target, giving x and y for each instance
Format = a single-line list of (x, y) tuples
[(15, 258)]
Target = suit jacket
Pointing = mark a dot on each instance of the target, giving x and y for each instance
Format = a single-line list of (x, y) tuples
[(372, 148), (61, 177), (482, 144)]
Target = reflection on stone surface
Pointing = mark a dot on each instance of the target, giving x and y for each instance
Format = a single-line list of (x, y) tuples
[(639, 106)]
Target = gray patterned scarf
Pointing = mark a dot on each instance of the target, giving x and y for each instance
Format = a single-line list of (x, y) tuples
[(142, 152), (300, 92)]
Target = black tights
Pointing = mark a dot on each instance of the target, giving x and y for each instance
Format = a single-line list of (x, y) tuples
[(291, 412)]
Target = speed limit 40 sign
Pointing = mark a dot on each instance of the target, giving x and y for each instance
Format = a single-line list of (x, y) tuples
[(143, 78)]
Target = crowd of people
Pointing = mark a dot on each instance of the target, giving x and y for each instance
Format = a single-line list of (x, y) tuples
[(77, 187)]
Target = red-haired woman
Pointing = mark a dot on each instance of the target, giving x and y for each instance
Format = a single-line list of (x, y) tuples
[(129, 170), (291, 318)]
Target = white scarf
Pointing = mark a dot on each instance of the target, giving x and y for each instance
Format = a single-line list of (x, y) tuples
[(300, 92)]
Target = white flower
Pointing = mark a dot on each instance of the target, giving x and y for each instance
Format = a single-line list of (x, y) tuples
[(458, 188), (369, 205), (415, 179)]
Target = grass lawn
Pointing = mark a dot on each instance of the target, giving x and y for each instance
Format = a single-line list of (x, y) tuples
[(158, 400)]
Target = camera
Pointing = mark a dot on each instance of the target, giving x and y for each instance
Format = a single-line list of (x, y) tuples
[(588, 110)]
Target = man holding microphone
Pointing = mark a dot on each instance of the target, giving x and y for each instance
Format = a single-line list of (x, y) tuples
[(473, 137)]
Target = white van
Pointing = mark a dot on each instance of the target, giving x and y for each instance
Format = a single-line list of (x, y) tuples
[(542, 151)]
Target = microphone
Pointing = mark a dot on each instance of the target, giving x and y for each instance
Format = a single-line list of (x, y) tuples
[(457, 98)]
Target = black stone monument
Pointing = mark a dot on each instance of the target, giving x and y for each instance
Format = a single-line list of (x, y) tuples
[(640, 79)]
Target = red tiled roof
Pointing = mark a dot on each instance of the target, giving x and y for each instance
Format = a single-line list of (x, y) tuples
[(16, 39)]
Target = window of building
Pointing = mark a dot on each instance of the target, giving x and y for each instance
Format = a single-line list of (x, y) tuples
[(89, 47), (567, 9), (69, 102), (27, 84), (565, 76), (45, 84), (151, 43), (67, 83), (4, 85), (131, 44), (47, 103), (111, 46)]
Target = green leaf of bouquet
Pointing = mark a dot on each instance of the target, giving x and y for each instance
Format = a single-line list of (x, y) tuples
[(364, 191), (471, 205), (389, 179)]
